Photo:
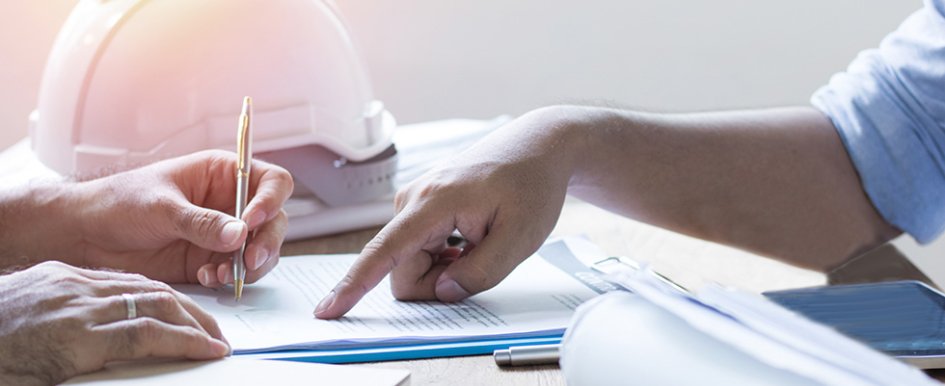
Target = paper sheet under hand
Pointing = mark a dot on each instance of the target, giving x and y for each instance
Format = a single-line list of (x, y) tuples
[(275, 314)]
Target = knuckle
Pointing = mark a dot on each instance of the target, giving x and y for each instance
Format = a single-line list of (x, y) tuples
[(199, 221), (192, 338), (374, 246), (378, 256), (144, 332), (403, 292), (72, 278), (399, 292), (52, 265), (164, 302), (217, 161), (428, 190), (71, 281), (157, 286), (213, 156), (162, 202), (130, 276), (275, 231), (478, 278), (216, 154), (400, 198), (440, 195), (349, 282), (283, 178), (52, 271)]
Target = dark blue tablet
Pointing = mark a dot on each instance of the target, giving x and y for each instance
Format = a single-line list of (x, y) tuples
[(905, 319)]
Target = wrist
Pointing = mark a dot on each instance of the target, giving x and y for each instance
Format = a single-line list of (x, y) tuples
[(601, 139), (580, 135), (39, 223), (554, 136)]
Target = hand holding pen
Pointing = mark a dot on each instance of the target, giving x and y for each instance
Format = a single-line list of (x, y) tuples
[(173, 220)]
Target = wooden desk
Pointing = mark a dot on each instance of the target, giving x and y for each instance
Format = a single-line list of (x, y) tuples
[(688, 261)]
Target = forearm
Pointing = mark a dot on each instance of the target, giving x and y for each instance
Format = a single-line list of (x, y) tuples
[(776, 182), (36, 224)]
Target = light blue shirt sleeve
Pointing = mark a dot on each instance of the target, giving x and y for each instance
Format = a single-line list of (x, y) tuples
[(889, 108)]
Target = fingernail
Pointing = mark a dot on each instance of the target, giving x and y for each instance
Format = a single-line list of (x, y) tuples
[(218, 348), (325, 303), (228, 277), (258, 218), (262, 255), (205, 277), (231, 232), (450, 291)]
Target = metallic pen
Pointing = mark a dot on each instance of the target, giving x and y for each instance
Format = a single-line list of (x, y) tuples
[(542, 354), (244, 152)]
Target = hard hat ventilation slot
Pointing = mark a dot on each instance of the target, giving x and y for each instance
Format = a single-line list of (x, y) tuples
[(336, 180)]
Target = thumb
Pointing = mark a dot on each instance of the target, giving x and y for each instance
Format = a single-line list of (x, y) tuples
[(210, 229), (485, 266)]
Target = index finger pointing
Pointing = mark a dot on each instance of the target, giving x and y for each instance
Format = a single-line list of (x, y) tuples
[(401, 238)]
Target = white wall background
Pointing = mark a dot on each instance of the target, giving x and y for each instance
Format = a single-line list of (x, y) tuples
[(433, 59)]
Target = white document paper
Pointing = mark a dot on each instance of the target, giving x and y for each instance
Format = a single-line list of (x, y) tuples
[(236, 372), (537, 299)]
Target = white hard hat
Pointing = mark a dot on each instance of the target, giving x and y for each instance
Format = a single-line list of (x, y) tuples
[(129, 82)]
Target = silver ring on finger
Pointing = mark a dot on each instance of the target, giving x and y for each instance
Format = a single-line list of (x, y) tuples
[(130, 305)]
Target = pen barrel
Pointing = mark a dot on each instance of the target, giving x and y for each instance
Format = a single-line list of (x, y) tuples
[(242, 194), (242, 197), (528, 355)]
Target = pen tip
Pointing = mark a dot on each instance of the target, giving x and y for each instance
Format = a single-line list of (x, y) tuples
[(239, 289)]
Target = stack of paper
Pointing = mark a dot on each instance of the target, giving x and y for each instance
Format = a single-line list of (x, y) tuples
[(274, 317), (773, 335)]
